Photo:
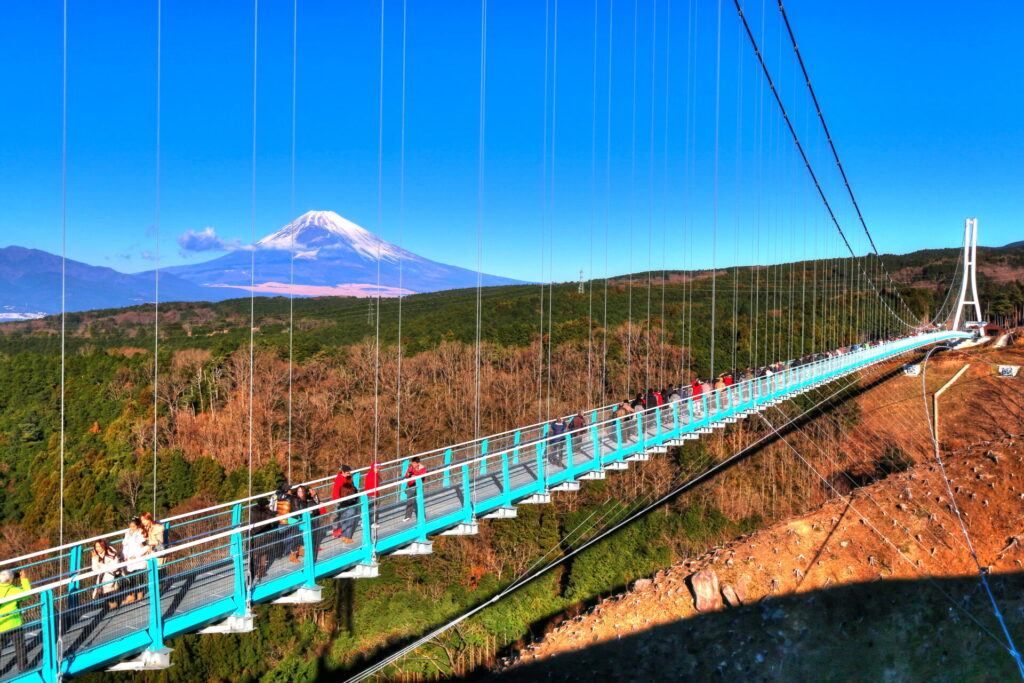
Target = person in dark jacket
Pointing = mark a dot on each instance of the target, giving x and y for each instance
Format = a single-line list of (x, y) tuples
[(301, 500), (346, 517), (578, 421), (556, 444), (262, 533)]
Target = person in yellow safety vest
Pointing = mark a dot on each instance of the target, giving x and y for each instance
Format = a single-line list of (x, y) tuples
[(10, 616)]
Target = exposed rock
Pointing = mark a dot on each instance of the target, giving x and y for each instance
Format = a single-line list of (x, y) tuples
[(642, 584), (729, 594), (706, 595), (743, 587)]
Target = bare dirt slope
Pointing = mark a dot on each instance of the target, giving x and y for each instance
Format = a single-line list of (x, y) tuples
[(842, 592)]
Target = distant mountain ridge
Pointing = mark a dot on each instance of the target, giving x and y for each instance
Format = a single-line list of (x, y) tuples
[(321, 252), (30, 285)]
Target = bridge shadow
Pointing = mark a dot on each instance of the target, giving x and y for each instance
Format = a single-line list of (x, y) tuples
[(879, 630)]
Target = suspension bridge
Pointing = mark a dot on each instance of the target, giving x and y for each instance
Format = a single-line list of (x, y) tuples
[(208, 582), (227, 558)]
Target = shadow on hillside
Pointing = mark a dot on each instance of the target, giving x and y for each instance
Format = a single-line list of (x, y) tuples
[(880, 630)]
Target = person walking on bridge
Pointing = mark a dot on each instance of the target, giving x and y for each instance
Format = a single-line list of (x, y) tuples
[(105, 558), (301, 500), (415, 471), (345, 518), (556, 443), (156, 534), (10, 616), (135, 549), (696, 389)]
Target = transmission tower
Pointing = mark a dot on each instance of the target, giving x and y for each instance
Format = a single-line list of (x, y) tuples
[(580, 289)]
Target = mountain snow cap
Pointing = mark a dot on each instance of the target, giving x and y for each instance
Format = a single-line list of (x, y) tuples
[(316, 230)]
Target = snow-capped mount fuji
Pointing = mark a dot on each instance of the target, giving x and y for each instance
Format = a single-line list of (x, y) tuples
[(314, 231), (329, 256)]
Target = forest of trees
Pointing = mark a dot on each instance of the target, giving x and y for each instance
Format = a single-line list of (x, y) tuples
[(543, 350)]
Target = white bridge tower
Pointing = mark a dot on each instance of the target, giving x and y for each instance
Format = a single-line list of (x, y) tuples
[(970, 277)]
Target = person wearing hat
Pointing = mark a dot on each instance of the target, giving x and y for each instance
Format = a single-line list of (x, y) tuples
[(10, 616), (345, 521)]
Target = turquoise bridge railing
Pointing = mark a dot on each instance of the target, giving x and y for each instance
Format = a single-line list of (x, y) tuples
[(229, 558)]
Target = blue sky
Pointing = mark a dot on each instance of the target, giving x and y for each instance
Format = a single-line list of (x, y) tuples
[(923, 103)]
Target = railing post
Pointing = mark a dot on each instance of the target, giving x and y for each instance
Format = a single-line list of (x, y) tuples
[(74, 566), (467, 492), (47, 620), (446, 477), (657, 421), (309, 560), (401, 489), (568, 451), (641, 434), (595, 436), (240, 594), (483, 460), (156, 618), (421, 517), (541, 474), (515, 443), (506, 488), (367, 534)]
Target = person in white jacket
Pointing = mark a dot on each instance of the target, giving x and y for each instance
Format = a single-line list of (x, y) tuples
[(107, 560), (135, 549)]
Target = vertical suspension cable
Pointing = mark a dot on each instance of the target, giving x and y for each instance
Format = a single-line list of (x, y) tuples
[(692, 72), (664, 191), (714, 212), (632, 210), (63, 295), (291, 250), (739, 203), (607, 194), (480, 213), (551, 200), (380, 229), (593, 218), (156, 271), (650, 190), (401, 239), (252, 244), (543, 217)]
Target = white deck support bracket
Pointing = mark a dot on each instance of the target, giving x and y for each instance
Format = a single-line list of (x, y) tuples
[(970, 277), (502, 513), (463, 529), (537, 499), (363, 570), (416, 548), (567, 486), (147, 660), (593, 476), (236, 623), (306, 595)]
